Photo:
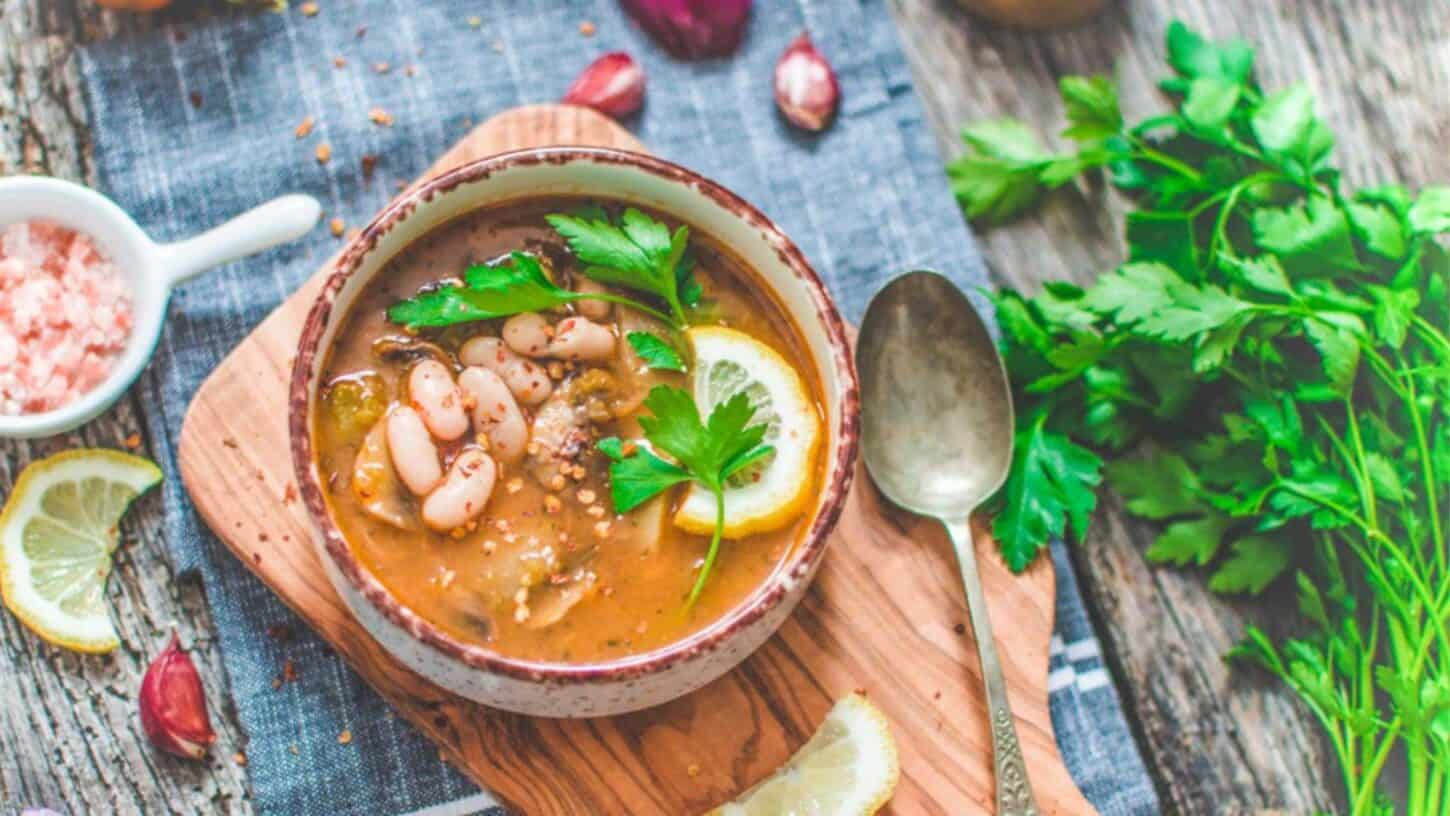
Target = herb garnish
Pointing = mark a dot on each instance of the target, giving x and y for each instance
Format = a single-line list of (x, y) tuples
[(1278, 344), (638, 253), (708, 453), (655, 352), (501, 290)]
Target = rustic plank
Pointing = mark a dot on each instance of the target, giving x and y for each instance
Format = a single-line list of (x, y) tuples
[(1218, 739), (886, 596), (68, 728)]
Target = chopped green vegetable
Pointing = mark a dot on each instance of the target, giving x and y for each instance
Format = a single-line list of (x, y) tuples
[(1276, 347), (708, 454)]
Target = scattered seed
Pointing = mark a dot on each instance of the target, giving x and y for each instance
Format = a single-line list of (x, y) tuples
[(133, 441), (337, 227), (195, 98), (293, 748), (514, 485), (586, 496), (345, 737), (382, 67), (369, 163), (324, 153), (239, 758), (475, 22), (587, 28), (305, 127), (339, 62), (309, 9), (380, 117), (489, 545), (595, 511), (552, 504), (693, 770), (558, 482), (602, 529)]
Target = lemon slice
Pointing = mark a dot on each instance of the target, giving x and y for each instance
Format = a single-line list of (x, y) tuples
[(848, 768), (776, 490), (57, 532)]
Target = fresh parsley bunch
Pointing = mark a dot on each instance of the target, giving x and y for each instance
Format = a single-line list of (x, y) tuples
[(1267, 376)]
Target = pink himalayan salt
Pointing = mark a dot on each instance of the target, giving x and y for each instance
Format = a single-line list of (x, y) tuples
[(65, 316)]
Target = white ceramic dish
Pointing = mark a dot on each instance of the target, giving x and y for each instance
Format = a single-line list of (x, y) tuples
[(473, 670), (152, 270)]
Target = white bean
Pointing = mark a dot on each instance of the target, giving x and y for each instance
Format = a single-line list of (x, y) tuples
[(528, 334), (591, 308), (415, 457), (464, 493), (495, 413), (529, 382), (437, 400), (576, 338)]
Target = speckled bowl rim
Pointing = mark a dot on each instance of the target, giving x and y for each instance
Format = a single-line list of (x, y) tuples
[(804, 558)]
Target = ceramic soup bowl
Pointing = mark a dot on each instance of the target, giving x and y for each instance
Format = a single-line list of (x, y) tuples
[(471, 669)]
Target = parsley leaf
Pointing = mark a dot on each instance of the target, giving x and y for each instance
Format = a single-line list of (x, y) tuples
[(638, 253), (1092, 108), (655, 352), (1053, 480), (1256, 561), (639, 476), (708, 452)]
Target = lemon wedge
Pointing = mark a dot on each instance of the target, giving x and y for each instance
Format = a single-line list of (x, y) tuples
[(773, 492), (57, 532), (848, 768)]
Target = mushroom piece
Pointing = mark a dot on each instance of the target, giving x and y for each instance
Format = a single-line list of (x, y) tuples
[(394, 349), (559, 435), (376, 484), (549, 602)]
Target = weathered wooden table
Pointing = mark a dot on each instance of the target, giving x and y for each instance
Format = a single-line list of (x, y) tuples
[(1218, 740)]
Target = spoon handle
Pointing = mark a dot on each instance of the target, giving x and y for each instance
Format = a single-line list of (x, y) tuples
[(1014, 792)]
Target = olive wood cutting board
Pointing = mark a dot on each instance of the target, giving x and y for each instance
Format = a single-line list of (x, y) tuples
[(886, 615)]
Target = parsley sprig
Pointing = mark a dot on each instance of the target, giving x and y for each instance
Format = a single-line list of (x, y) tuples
[(707, 453), (638, 253), (1267, 377), (500, 290)]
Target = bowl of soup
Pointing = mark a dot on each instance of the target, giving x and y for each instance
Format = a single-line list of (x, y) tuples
[(574, 426)]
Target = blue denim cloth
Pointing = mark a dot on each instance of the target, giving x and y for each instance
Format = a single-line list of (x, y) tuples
[(194, 124)]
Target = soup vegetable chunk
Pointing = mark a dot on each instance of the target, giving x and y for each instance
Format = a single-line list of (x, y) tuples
[(569, 430)]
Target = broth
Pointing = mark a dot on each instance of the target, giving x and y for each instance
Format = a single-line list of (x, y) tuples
[(548, 571)]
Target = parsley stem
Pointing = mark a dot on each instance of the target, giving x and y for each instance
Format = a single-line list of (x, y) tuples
[(1164, 160), (714, 547), (634, 304)]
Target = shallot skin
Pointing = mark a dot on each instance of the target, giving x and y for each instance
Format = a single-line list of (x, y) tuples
[(693, 29), (806, 90), (612, 85)]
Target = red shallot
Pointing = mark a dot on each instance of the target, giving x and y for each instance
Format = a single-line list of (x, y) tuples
[(805, 85), (612, 85), (692, 29)]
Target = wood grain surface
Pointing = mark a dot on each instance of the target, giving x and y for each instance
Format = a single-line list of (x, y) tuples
[(886, 599), (1218, 740)]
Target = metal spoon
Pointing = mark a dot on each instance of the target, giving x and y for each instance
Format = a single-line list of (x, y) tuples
[(936, 415)]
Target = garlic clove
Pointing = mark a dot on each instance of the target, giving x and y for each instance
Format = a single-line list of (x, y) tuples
[(806, 90), (692, 29), (612, 85), (173, 705)]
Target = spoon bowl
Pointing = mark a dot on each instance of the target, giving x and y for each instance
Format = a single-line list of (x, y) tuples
[(937, 418), (151, 271), (936, 431)]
